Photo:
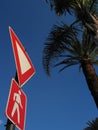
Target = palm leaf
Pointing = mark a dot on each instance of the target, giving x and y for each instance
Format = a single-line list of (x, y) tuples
[(84, 10), (93, 125), (68, 65), (63, 6), (88, 46), (60, 40), (70, 61)]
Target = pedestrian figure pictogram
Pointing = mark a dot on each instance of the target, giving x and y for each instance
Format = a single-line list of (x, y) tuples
[(17, 100), (16, 105)]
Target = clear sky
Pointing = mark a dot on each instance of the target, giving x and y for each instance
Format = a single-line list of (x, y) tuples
[(61, 102)]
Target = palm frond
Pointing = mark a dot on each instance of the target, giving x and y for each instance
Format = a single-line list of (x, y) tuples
[(68, 65), (60, 40), (70, 61), (92, 6), (93, 125), (84, 10), (64, 6), (95, 62), (88, 45), (63, 44), (61, 7), (94, 53)]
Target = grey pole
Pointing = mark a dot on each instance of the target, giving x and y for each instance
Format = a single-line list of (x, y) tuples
[(10, 125)]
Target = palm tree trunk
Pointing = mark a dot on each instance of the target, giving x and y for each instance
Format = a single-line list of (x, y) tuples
[(91, 78)]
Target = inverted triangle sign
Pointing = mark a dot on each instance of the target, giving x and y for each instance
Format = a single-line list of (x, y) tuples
[(24, 66)]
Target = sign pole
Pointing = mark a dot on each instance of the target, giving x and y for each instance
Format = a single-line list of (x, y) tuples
[(10, 125), (25, 70)]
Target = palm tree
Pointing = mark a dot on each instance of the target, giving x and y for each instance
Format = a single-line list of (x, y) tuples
[(85, 12), (92, 125), (64, 45)]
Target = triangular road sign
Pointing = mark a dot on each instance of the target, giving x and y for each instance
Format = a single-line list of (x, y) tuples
[(24, 66)]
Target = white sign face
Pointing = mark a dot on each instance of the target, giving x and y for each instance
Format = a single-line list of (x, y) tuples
[(24, 63), (24, 66)]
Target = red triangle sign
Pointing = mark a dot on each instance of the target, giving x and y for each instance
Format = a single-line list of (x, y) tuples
[(24, 66)]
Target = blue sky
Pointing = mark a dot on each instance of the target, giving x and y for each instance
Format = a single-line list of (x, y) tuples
[(61, 102)]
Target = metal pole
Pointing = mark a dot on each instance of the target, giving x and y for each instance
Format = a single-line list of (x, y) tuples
[(10, 125)]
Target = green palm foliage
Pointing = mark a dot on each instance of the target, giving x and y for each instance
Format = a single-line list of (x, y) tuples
[(85, 11), (69, 6), (59, 40), (92, 125), (64, 45), (75, 44)]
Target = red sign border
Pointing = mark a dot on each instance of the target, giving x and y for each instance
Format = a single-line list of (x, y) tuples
[(22, 78), (13, 80)]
